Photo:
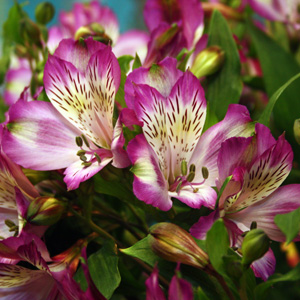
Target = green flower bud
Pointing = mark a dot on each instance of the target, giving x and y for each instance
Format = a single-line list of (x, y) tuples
[(30, 32), (208, 61), (45, 211), (255, 244), (173, 243), (297, 130), (44, 12)]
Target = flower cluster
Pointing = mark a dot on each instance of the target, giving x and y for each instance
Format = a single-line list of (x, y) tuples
[(106, 134)]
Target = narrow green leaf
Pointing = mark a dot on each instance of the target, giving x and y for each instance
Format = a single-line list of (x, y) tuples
[(289, 224), (265, 116), (120, 96), (103, 267), (137, 62), (225, 86), (124, 62), (217, 244), (200, 295), (262, 289)]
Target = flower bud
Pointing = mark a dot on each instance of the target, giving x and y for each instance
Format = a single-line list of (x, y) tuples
[(30, 32), (173, 243), (44, 12), (297, 130), (208, 61), (45, 211), (255, 244)]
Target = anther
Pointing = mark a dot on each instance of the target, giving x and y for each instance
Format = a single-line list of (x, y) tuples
[(97, 157), (78, 140), (83, 158), (85, 140), (253, 225), (86, 164), (205, 172), (178, 187), (190, 177), (183, 167), (80, 152), (9, 223), (192, 168)]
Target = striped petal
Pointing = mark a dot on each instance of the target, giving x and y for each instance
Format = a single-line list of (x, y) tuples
[(85, 99), (149, 184), (186, 112), (265, 266)]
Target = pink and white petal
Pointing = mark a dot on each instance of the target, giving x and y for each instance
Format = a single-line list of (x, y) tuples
[(77, 173), (17, 282), (55, 35), (149, 184), (162, 76), (205, 196), (129, 118), (199, 229), (269, 9), (265, 266), (150, 109), (120, 156), (180, 289), (38, 138), (132, 42), (7, 214), (284, 200), (76, 53), (237, 122), (264, 139), (16, 80), (186, 113), (266, 174), (153, 290)]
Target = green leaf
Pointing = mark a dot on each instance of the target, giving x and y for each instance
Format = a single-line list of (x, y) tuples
[(120, 96), (200, 295), (265, 116), (80, 278), (142, 251), (278, 67), (289, 224), (137, 62), (261, 289), (217, 244), (124, 62), (224, 87), (103, 267)]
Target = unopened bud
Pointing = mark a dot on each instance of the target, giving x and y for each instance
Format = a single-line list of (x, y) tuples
[(30, 32), (96, 31), (44, 12), (36, 176), (255, 244), (208, 61), (45, 211), (297, 130), (173, 243)]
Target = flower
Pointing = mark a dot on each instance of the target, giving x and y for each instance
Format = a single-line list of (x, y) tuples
[(74, 131), (171, 158), (258, 166)]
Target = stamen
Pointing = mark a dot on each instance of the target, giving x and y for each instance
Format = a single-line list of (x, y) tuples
[(205, 172), (184, 167), (78, 140), (253, 225), (97, 157), (192, 168), (80, 152), (85, 140), (86, 164), (178, 187), (9, 223), (190, 177), (83, 158)]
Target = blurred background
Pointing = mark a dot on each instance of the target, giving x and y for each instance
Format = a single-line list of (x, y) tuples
[(129, 15)]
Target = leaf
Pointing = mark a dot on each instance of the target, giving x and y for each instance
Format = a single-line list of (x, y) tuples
[(278, 67), (265, 116), (137, 62), (200, 295), (80, 278), (103, 267), (224, 87), (289, 224), (261, 289), (120, 96), (124, 62), (217, 244), (142, 251)]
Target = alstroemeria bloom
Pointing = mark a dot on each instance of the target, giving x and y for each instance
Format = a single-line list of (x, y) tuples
[(179, 289), (81, 80), (173, 25), (171, 158), (258, 166), (50, 279)]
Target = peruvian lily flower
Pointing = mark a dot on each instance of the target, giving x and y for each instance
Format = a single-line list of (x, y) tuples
[(171, 158), (50, 279), (258, 166), (75, 131), (173, 25), (179, 288)]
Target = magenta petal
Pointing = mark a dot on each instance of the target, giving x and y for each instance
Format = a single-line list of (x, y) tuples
[(129, 118), (37, 136), (180, 289), (161, 76), (153, 290), (272, 10), (265, 266), (149, 184), (284, 200), (236, 123), (199, 229)]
